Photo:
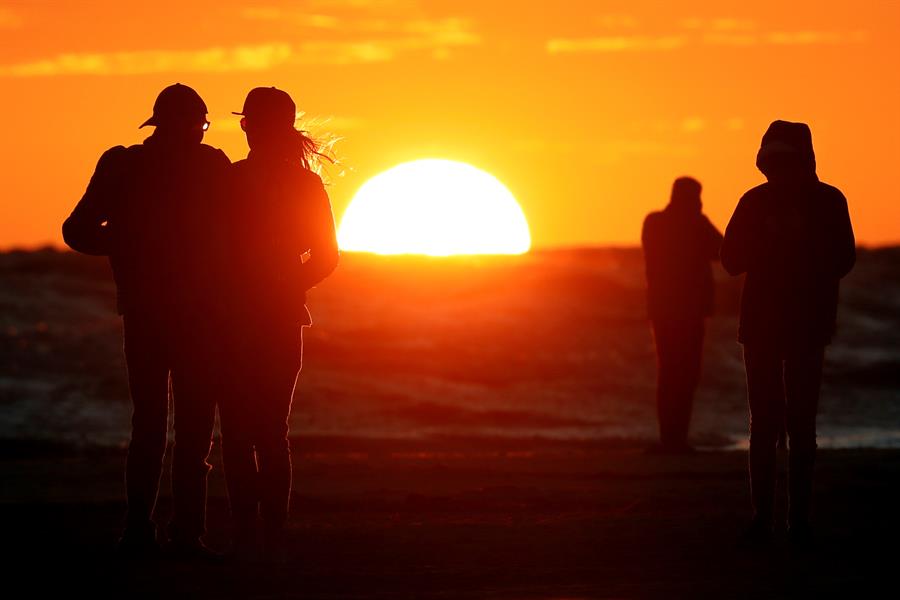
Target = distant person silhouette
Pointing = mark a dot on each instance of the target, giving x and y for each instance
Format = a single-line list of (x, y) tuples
[(679, 244), (283, 243), (145, 209), (793, 238)]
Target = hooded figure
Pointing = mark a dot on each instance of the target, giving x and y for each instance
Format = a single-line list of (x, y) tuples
[(793, 239), (679, 245)]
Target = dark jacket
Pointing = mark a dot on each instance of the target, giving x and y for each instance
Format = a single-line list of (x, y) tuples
[(282, 238), (147, 208), (793, 238), (679, 243)]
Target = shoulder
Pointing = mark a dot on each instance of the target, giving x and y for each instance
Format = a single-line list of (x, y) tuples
[(652, 224), (308, 177), (756, 193), (114, 154), (831, 193), (114, 159), (213, 155), (653, 218), (308, 182)]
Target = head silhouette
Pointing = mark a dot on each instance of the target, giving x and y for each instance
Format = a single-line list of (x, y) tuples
[(686, 195), (786, 153), (179, 115), (268, 119)]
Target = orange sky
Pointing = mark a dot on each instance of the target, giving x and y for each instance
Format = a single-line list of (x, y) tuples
[(585, 110)]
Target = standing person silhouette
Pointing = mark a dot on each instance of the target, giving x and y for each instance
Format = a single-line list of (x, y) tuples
[(144, 208), (283, 243), (793, 238), (679, 244)]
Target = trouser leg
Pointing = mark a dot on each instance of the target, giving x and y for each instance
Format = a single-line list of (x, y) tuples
[(195, 413), (765, 391), (802, 379), (688, 373), (666, 380), (679, 345), (148, 382), (239, 459), (277, 383)]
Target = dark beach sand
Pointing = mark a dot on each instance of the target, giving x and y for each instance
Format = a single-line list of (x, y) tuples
[(474, 518)]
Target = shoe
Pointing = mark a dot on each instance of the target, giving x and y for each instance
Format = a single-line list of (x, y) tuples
[(192, 550), (138, 543), (801, 537), (757, 536)]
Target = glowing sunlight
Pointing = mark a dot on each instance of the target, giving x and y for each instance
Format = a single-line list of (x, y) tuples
[(435, 207)]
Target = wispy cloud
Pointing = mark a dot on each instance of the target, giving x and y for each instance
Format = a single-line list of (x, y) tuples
[(239, 58), (619, 43), (448, 31), (361, 41), (719, 31), (438, 38)]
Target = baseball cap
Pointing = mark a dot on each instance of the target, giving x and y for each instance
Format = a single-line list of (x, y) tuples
[(270, 105), (174, 104)]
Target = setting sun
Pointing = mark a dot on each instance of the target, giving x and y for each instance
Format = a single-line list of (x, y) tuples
[(435, 207)]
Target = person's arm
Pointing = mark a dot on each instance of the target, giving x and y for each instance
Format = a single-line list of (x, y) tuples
[(323, 249), (87, 229), (738, 244), (842, 244)]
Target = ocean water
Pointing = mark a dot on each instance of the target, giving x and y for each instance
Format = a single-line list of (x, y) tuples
[(552, 344)]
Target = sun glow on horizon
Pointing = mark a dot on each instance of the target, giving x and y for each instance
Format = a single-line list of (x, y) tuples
[(435, 207)]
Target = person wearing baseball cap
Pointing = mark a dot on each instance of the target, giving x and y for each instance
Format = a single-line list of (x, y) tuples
[(283, 243), (793, 239), (147, 208)]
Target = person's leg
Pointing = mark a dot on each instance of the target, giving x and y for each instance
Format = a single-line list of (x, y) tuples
[(236, 416), (688, 377), (665, 337), (148, 382), (195, 413), (802, 380), (765, 392), (276, 382)]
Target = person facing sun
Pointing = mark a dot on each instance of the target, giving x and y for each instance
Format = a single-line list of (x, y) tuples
[(679, 245), (145, 208), (280, 243)]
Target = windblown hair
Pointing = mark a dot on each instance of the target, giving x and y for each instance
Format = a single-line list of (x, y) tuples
[(313, 150)]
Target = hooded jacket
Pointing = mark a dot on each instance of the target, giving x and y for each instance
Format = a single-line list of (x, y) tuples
[(793, 238)]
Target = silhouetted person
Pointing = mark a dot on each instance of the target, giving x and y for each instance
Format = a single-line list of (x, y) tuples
[(679, 244), (145, 208), (283, 244), (793, 239)]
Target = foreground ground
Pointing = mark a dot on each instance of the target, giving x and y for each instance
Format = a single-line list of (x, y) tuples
[(467, 518)]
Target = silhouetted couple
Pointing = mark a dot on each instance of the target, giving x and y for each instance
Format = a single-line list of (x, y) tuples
[(793, 239), (212, 262)]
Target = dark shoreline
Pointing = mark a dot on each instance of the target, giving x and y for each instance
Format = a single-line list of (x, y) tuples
[(523, 518)]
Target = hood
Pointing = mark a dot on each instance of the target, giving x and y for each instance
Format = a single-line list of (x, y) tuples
[(685, 198), (787, 150)]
